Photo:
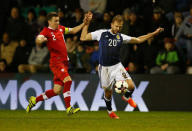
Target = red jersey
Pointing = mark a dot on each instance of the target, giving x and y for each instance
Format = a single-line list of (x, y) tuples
[(56, 42)]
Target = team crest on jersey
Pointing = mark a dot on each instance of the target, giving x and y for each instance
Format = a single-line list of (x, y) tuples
[(62, 70), (118, 37), (61, 30)]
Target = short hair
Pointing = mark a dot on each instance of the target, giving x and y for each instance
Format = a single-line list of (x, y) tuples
[(51, 15), (117, 18), (31, 10)]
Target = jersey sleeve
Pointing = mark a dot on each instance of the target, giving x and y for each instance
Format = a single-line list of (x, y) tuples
[(43, 32), (126, 38), (96, 35), (66, 30)]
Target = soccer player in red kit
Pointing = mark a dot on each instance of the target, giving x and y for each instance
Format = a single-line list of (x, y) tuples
[(53, 36)]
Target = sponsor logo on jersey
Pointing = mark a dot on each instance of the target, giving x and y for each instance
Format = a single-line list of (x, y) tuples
[(61, 30)]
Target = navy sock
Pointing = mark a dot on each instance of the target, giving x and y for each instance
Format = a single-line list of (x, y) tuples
[(108, 104), (128, 94)]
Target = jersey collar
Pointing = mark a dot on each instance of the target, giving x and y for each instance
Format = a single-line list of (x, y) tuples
[(51, 28), (112, 32)]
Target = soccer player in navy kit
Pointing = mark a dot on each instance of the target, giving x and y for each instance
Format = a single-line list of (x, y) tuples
[(110, 68)]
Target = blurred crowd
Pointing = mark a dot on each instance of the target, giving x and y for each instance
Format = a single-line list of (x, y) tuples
[(168, 53)]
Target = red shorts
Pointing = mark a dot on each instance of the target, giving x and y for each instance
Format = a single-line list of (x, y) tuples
[(60, 71)]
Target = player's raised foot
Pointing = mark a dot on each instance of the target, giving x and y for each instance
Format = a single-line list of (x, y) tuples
[(130, 101), (32, 103), (112, 115), (70, 110)]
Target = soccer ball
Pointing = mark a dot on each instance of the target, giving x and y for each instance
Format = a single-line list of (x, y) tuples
[(121, 87)]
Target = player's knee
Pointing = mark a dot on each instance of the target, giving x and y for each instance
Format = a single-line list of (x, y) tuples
[(108, 94), (67, 79), (131, 87), (57, 89)]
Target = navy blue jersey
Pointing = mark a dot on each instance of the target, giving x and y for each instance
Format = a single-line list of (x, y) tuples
[(109, 46)]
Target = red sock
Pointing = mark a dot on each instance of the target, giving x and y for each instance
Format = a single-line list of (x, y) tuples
[(67, 93), (44, 96)]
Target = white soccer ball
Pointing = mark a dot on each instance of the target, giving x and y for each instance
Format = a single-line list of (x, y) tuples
[(121, 87)]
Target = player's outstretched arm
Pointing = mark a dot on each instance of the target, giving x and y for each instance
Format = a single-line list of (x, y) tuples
[(141, 39), (76, 29), (40, 39), (85, 36)]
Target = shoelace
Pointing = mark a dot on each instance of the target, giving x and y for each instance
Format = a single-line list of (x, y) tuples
[(71, 110), (31, 104)]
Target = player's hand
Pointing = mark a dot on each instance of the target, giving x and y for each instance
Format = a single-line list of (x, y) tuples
[(158, 30), (88, 18), (89, 15), (42, 38)]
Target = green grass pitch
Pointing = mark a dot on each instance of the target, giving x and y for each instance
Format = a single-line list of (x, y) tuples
[(97, 121)]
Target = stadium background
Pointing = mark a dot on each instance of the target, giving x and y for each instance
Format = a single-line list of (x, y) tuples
[(166, 97), (151, 93)]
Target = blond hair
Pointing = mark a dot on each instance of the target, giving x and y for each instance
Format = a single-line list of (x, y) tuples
[(117, 18)]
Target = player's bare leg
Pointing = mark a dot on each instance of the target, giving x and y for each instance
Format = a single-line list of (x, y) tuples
[(127, 95), (44, 96), (67, 96), (107, 98)]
